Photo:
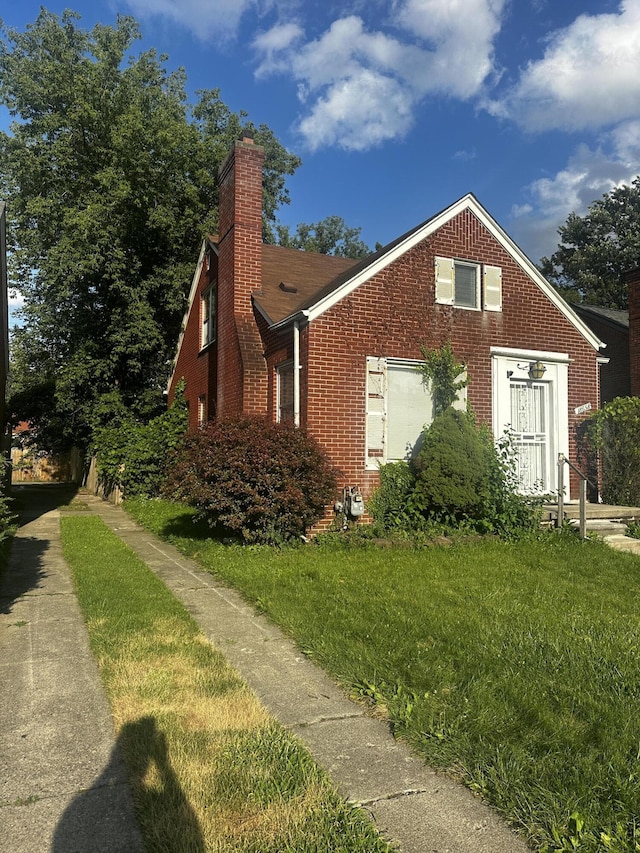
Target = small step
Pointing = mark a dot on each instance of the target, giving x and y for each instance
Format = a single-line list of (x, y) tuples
[(594, 511), (603, 527)]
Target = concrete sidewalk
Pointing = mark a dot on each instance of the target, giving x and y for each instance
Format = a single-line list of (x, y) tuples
[(62, 785), (415, 808)]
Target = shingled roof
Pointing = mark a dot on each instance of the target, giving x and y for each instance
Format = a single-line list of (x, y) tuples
[(291, 278), (613, 316)]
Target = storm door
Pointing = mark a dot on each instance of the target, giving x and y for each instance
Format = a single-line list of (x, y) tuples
[(530, 424)]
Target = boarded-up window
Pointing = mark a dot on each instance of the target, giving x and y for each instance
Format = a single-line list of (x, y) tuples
[(399, 406)]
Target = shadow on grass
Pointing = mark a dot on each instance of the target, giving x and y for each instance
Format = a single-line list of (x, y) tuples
[(187, 526), (101, 818), (161, 804)]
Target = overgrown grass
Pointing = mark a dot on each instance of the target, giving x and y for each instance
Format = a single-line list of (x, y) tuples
[(514, 665), (210, 769)]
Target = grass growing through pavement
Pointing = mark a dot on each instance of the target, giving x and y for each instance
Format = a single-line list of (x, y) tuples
[(516, 666), (210, 769)]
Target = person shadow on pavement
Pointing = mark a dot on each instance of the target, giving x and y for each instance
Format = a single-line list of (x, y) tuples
[(101, 819)]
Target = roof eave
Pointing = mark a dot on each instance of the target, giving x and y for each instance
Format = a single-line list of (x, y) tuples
[(298, 316)]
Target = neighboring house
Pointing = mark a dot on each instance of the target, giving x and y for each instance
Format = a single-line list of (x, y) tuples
[(333, 345), (611, 325), (633, 283)]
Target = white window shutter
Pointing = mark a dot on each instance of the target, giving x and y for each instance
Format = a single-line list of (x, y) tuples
[(376, 412), (492, 288), (445, 287)]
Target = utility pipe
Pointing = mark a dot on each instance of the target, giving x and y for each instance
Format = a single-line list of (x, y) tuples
[(296, 373)]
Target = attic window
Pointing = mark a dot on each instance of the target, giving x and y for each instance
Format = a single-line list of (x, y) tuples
[(469, 285), (288, 288)]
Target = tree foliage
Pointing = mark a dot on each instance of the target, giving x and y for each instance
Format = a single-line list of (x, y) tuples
[(612, 438), (110, 177), (330, 236), (596, 250), (134, 456)]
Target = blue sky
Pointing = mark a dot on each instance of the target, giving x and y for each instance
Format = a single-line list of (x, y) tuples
[(399, 107)]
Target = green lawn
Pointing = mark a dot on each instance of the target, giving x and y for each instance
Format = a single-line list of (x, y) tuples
[(515, 666), (210, 769)]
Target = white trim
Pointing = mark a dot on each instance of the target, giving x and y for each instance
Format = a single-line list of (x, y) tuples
[(388, 421), (535, 354), (467, 202), (296, 374)]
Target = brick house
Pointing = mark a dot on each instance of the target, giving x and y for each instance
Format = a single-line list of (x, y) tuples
[(333, 344), (611, 325), (633, 284)]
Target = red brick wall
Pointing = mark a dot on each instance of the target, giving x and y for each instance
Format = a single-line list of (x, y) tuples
[(393, 313), (633, 282), (242, 385), (197, 367)]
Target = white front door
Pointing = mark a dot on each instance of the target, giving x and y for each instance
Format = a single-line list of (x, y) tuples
[(535, 413)]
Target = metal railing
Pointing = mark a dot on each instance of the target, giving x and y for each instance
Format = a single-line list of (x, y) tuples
[(562, 460)]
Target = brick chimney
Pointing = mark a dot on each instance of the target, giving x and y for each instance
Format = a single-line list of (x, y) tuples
[(242, 373), (633, 283)]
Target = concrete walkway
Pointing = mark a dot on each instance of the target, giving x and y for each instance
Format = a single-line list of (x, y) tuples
[(419, 810), (61, 776), (62, 785)]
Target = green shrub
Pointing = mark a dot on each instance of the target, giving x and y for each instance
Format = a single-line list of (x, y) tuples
[(390, 503), (453, 467), (633, 530), (461, 478), (613, 432), (504, 511), (263, 482), (134, 456)]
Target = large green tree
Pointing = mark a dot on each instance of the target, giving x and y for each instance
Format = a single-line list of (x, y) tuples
[(110, 178), (330, 236), (596, 250)]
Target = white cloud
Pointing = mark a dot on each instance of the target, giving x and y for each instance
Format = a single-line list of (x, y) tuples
[(461, 33), (358, 113), (205, 18), (588, 77), (588, 175), (362, 87), (273, 45)]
